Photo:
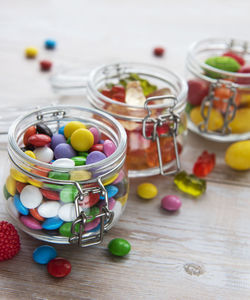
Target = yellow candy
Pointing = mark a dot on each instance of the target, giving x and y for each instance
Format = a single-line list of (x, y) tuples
[(71, 127), (11, 185), (238, 156), (245, 98), (241, 121), (35, 182), (31, 52), (147, 190), (110, 180), (80, 175), (30, 153), (82, 139), (18, 176), (215, 121), (123, 199)]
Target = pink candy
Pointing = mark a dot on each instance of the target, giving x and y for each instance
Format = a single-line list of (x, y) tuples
[(30, 222), (171, 203), (109, 147)]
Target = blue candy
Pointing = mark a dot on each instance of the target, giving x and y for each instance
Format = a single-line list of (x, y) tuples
[(50, 44), (44, 254), (19, 206), (61, 130), (52, 223), (112, 191)]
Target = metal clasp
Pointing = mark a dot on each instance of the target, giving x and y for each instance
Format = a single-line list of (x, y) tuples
[(106, 217), (170, 117), (207, 105), (58, 114)]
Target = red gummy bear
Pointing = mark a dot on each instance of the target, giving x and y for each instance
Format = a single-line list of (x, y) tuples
[(9, 241), (235, 56), (204, 164)]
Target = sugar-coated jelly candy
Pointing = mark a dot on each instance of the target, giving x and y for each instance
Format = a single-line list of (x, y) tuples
[(197, 91), (190, 184), (59, 267), (119, 247), (204, 164), (237, 156), (147, 190)]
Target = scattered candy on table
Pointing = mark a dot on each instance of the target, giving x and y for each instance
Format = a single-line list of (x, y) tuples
[(31, 52), (44, 254), (147, 190), (59, 267), (171, 203), (50, 44), (159, 51), (45, 65), (237, 156), (190, 184), (204, 164), (9, 241), (119, 247)]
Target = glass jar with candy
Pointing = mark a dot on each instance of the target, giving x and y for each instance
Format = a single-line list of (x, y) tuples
[(67, 182), (219, 89), (149, 101)]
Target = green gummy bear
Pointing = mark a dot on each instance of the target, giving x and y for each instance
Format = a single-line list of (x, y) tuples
[(190, 184), (224, 63)]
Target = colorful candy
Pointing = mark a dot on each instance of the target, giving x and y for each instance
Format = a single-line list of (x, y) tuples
[(171, 203), (44, 254), (147, 190), (190, 184), (50, 44), (119, 247), (224, 63), (197, 91), (204, 164), (159, 51), (31, 52), (237, 156), (45, 65), (59, 267)]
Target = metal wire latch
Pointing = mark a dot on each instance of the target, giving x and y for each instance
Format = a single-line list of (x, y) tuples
[(170, 118), (208, 104), (106, 217)]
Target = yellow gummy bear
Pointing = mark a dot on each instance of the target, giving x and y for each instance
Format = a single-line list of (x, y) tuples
[(215, 121)]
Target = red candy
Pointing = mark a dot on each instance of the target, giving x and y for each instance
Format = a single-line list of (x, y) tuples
[(9, 241), (20, 186), (116, 93), (39, 140), (96, 147), (235, 56), (59, 267), (245, 69), (204, 164), (197, 90), (45, 65), (29, 132), (51, 195), (89, 200), (159, 51)]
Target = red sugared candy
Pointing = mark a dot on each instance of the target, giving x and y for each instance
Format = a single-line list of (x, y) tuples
[(39, 140), (237, 57), (204, 164), (9, 241), (45, 65), (245, 69), (59, 267), (197, 91), (159, 51)]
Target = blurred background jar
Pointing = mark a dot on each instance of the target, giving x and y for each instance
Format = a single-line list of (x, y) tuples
[(218, 74), (149, 101), (62, 204)]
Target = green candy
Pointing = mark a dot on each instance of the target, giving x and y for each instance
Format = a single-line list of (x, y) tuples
[(68, 140), (65, 229), (92, 212), (224, 63), (53, 187), (82, 153), (188, 108), (6, 193), (59, 175), (79, 160), (190, 184), (68, 193), (119, 247)]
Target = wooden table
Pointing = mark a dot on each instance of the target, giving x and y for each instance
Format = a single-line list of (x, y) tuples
[(200, 252)]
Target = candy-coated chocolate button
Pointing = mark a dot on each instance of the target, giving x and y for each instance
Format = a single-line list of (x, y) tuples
[(119, 247), (44, 154), (64, 151), (64, 163), (59, 267), (59, 175), (65, 229), (67, 212), (52, 223), (56, 140), (44, 129), (11, 185), (80, 175), (6, 193), (171, 202), (112, 190), (147, 190), (94, 157), (71, 127), (49, 209), (82, 139), (31, 197), (51, 195), (109, 147), (44, 254), (79, 160), (30, 222), (19, 206), (35, 214), (18, 175), (20, 186), (111, 179), (30, 153), (96, 133), (96, 147), (39, 140), (89, 200), (68, 193), (29, 132), (50, 44), (31, 52)]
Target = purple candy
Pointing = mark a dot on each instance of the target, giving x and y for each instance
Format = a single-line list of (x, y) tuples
[(171, 202), (96, 134), (64, 151), (57, 139), (91, 225), (109, 147), (94, 157)]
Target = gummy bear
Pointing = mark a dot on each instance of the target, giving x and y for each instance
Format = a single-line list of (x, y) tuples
[(204, 164)]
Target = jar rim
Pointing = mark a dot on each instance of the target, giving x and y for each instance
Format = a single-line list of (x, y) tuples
[(195, 66), (181, 97), (112, 159)]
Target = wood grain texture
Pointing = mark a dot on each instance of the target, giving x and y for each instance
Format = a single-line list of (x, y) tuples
[(200, 252)]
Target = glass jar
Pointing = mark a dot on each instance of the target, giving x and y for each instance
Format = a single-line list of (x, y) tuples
[(155, 129), (80, 202), (219, 89)]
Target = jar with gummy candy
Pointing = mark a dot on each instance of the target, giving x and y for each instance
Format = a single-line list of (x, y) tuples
[(66, 181), (219, 89), (149, 101)]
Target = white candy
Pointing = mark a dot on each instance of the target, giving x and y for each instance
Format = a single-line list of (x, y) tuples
[(64, 163), (44, 154), (31, 197), (67, 212), (11, 208), (117, 211), (49, 209), (134, 94)]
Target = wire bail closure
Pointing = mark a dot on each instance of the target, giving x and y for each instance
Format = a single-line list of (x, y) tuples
[(207, 105), (169, 117), (106, 216)]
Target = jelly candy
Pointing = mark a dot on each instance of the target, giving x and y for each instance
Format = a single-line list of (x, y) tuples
[(237, 57), (159, 51), (197, 91), (190, 184), (134, 94), (244, 69), (215, 121), (222, 95), (224, 63), (240, 123), (238, 156), (204, 164)]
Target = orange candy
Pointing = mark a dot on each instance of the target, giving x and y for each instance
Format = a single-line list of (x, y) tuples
[(29, 132), (36, 215), (224, 93), (20, 186)]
